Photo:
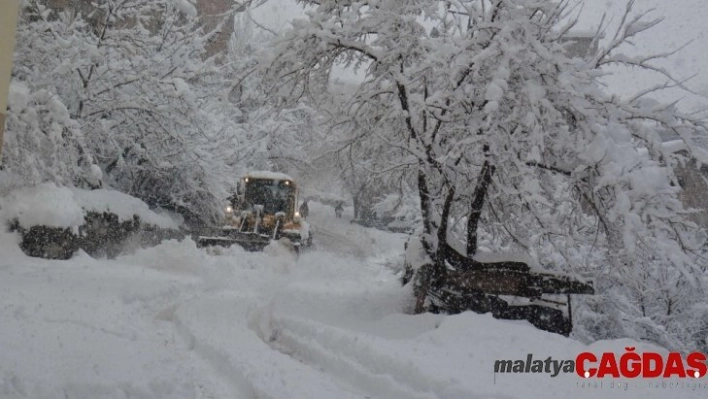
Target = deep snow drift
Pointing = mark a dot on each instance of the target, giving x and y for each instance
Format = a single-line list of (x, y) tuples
[(175, 321)]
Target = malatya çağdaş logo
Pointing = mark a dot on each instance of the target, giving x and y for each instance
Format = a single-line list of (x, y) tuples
[(609, 365)]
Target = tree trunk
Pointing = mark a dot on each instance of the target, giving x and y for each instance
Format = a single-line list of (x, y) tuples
[(424, 275), (480, 195), (432, 276), (441, 252), (356, 206), (425, 207)]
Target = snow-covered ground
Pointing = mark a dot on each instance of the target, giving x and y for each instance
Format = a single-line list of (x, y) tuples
[(177, 322)]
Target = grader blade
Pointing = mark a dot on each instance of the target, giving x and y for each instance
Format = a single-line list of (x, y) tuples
[(249, 243)]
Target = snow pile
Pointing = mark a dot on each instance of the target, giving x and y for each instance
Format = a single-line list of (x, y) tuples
[(49, 205), (10, 243), (283, 249), (45, 204), (123, 205)]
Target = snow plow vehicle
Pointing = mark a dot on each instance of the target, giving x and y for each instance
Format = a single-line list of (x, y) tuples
[(263, 209)]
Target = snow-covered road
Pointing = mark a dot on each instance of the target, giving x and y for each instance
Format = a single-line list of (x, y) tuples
[(176, 322)]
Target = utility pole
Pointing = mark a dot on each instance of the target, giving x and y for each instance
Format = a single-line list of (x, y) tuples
[(8, 26)]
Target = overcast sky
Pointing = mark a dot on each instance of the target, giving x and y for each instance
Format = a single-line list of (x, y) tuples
[(684, 20)]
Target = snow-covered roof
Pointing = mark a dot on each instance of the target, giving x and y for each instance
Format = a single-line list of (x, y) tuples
[(268, 175)]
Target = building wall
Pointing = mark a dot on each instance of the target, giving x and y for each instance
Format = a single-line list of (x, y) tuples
[(212, 13), (8, 22)]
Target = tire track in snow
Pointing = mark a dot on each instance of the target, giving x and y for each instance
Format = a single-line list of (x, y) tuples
[(231, 346), (219, 362), (358, 362)]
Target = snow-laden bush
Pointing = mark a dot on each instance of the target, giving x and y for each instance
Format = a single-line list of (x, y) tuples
[(115, 93), (43, 142)]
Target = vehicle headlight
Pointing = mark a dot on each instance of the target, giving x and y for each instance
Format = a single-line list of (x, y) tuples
[(229, 209), (297, 216)]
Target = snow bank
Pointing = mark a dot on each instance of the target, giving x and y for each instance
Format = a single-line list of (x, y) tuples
[(49, 205)]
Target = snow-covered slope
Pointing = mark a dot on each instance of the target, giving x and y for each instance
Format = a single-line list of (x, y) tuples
[(176, 322)]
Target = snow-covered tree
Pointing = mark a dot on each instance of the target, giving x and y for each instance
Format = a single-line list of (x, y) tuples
[(263, 135), (132, 76), (153, 115), (43, 142), (499, 125)]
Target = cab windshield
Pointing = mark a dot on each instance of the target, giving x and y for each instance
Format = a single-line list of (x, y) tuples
[(274, 195)]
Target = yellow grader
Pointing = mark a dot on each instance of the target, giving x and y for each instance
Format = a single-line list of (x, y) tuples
[(263, 209)]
